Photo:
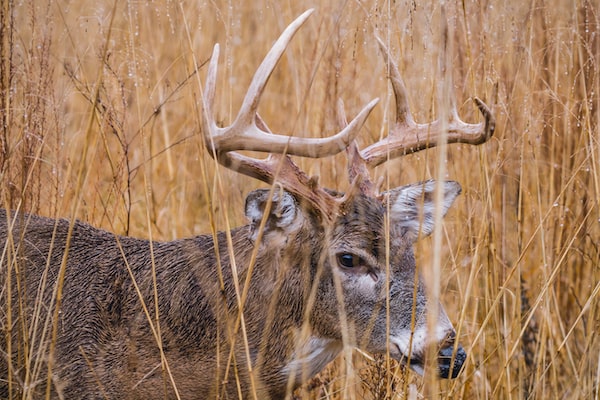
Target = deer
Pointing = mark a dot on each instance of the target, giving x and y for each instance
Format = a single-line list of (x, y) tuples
[(253, 312)]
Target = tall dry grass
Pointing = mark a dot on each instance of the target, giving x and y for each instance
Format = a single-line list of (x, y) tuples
[(100, 121)]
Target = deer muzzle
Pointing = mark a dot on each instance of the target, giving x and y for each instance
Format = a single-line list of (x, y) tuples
[(450, 355), (450, 363)]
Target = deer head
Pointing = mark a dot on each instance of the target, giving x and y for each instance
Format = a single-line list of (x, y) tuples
[(353, 250)]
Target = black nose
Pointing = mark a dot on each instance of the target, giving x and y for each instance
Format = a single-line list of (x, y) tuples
[(447, 369)]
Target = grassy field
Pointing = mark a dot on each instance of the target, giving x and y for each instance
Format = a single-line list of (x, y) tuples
[(100, 106)]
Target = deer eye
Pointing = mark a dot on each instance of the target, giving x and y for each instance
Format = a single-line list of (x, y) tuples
[(349, 260)]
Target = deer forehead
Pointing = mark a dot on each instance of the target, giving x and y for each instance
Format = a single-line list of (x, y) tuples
[(360, 215)]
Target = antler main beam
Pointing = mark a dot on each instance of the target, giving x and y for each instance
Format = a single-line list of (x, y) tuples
[(244, 134), (249, 132), (407, 136)]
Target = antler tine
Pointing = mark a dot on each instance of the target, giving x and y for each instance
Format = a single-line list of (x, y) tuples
[(249, 132), (208, 99), (263, 73), (358, 173), (407, 137), (244, 134), (403, 114), (281, 168)]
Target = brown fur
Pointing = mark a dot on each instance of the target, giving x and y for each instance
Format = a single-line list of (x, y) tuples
[(105, 346)]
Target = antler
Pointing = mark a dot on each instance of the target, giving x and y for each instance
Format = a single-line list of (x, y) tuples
[(249, 132), (407, 136)]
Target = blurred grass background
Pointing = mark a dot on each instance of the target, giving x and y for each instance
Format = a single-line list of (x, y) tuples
[(100, 121)]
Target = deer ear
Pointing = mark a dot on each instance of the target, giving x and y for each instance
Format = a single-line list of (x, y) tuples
[(283, 218), (412, 207)]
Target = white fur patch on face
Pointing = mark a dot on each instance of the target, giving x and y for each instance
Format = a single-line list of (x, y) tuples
[(311, 357), (411, 343), (420, 340)]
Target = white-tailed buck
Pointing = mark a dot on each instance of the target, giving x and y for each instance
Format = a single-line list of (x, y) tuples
[(253, 314)]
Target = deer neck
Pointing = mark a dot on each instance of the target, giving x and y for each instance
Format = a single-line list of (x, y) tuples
[(311, 355)]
